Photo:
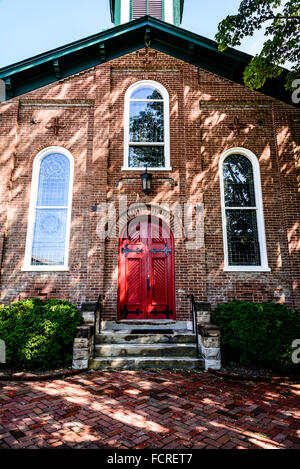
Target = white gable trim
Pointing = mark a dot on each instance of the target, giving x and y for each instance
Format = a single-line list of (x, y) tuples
[(169, 11), (125, 11)]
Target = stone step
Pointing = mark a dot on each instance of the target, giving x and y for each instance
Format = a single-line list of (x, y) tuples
[(137, 363), (146, 350), (127, 337), (145, 324)]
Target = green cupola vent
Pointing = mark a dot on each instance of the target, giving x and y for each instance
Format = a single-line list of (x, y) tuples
[(123, 11)]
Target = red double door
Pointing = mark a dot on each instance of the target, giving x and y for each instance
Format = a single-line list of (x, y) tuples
[(146, 271)]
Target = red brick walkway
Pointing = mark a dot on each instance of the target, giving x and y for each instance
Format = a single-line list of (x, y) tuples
[(149, 410)]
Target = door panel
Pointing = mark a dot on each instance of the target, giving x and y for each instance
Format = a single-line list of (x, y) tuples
[(132, 289), (146, 272), (134, 282), (161, 295), (159, 282)]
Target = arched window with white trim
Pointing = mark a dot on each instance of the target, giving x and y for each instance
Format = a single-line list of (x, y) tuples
[(146, 127), (47, 245), (242, 212)]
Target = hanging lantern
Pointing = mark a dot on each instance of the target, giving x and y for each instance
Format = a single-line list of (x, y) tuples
[(146, 181)]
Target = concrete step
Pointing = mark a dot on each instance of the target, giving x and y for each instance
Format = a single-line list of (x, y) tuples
[(127, 337), (137, 363), (146, 350), (145, 324)]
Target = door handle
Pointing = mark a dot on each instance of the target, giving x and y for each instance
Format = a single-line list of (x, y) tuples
[(148, 284)]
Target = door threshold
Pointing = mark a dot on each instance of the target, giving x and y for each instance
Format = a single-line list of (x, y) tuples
[(146, 321)]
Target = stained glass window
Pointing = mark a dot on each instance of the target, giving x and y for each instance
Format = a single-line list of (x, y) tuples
[(241, 212), (51, 211), (242, 237), (146, 128), (238, 182)]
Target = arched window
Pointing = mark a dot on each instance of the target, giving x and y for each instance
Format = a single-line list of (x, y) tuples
[(146, 127), (48, 232), (242, 212)]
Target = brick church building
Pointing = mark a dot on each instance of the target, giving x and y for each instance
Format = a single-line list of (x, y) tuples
[(135, 164)]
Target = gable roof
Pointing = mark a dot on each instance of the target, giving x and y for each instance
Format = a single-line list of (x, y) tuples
[(81, 55)]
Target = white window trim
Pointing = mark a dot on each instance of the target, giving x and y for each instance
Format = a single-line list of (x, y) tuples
[(27, 267), (166, 101), (125, 11), (169, 17), (259, 211)]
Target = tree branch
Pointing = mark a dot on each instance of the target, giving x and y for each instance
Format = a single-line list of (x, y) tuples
[(266, 18)]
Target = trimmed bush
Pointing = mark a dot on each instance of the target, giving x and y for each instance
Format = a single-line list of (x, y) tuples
[(39, 334), (259, 334)]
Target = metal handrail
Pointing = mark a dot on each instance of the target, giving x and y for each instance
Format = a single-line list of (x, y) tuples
[(101, 301), (195, 323), (98, 309)]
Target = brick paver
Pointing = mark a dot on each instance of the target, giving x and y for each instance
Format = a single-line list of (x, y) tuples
[(144, 409)]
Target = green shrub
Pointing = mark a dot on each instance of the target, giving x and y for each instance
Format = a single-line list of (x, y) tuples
[(259, 334), (38, 334)]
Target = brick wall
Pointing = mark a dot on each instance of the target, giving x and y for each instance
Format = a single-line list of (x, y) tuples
[(203, 106)]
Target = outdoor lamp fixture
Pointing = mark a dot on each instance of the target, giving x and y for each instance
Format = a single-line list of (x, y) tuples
[(146, 181)]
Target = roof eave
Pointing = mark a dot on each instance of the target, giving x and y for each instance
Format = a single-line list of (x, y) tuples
[(107, 45), (114, 32)]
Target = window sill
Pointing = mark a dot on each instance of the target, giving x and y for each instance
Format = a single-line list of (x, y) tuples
[(247, 269), (54, 268), (144, 169)]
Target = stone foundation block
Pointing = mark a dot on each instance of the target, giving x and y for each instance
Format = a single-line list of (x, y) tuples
[(209, 331), (81, 354), (81, 343), (80, 364), (213, 364), (82, 346), (212, 352), (88, 317), (84, 332), (203, 317), (209, 344)]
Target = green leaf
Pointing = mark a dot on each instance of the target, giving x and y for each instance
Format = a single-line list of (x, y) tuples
[(282, 42)]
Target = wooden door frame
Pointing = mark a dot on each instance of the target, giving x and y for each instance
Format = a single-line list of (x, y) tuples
[(153, 219)]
